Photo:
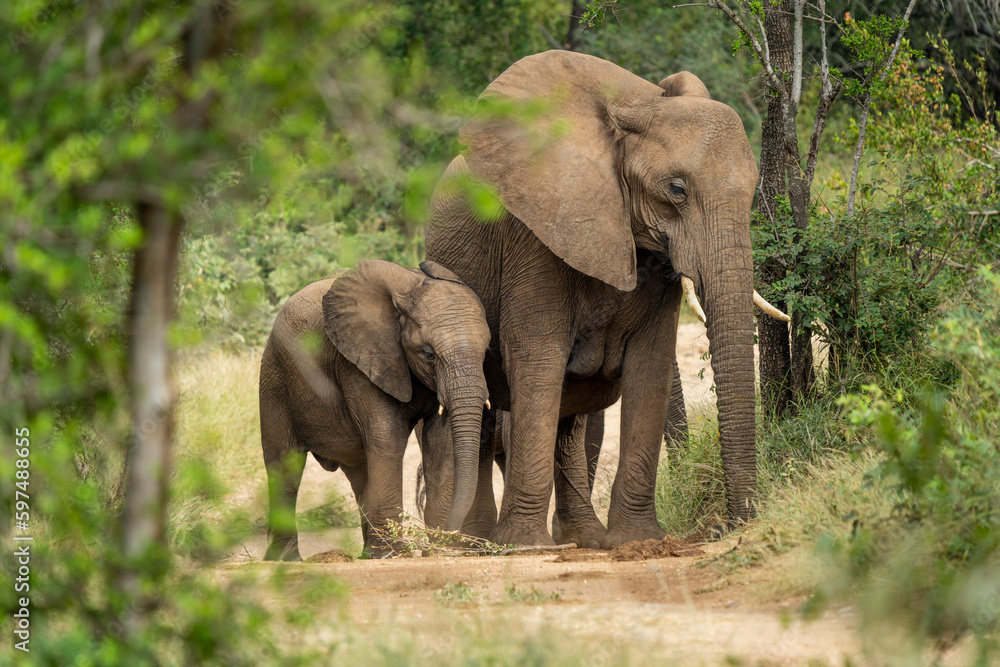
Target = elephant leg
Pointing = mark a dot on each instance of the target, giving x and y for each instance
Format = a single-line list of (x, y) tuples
[(592, 444), (382, 499), (482, 519), (420, 498), (438, 467), (675, 428), (646, 384), (358, 477), (501, 437), (574, 519), (284, 462), (536, 393), (594, 438)]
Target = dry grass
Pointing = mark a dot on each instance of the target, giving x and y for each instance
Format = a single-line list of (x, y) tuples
[(218, 421), (219, 488), (778, 552)]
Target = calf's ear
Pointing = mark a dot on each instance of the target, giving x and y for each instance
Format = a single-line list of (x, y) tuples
[(361, 318)]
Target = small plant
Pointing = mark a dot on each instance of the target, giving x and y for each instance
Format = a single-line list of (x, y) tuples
[(454, 592), (515, 594), (690, 491)]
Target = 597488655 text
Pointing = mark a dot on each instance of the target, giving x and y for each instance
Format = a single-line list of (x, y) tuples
[(22, 540)]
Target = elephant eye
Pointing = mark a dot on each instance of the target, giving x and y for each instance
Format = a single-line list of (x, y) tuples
[(678, 190), (428, 353)]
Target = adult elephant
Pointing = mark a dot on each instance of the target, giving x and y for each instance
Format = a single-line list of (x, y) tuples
[(614, 189)]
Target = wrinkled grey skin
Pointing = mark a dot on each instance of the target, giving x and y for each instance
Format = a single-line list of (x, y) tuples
[(351, 365), (608, 198), (435, 476)]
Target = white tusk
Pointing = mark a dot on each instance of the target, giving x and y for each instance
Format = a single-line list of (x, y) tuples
[(768, 308), (440, 410), (688, 286), (487, 404)]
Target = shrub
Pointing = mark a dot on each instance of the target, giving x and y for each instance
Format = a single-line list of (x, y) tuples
[(933, 562), (232, 285)]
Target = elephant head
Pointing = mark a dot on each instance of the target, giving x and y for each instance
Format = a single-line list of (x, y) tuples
[(609, 162), (392, 322)]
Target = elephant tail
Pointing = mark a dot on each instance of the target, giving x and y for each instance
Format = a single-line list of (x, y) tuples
[(421, 496)]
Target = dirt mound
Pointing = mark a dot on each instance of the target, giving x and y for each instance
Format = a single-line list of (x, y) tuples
[(335, 556), (668, 547)]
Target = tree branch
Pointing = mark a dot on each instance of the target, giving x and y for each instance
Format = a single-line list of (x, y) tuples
[(866, 107), (763, 55), (822, 111), (549, 38), (827, 97), (797, 54), (899, 40)]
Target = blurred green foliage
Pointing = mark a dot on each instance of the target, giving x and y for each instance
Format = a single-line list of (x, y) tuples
[(98, 120), (933, 562), (232, 285)]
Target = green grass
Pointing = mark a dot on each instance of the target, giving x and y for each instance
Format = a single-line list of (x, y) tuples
[(456, 639), (515, 594), (454, 592), (690, 492)]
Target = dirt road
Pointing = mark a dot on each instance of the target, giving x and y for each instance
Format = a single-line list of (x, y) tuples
[(663, 611)]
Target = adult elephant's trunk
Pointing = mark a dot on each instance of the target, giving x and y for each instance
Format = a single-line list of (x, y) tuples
[(727, 286), (465, 393)]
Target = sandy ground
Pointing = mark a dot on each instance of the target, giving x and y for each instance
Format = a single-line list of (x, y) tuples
[(663, 611), (671, 608)]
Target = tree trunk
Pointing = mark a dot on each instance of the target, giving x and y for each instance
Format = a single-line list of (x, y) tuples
[(151, 310), (772, 335), (573, 33), (801, 350), (149, 316)]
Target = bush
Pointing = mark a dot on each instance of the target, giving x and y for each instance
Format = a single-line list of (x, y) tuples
[(232, 285), (690, 491), (934, 561), (876, 281)]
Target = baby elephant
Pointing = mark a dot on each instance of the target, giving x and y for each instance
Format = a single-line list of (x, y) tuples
[(351, 365)]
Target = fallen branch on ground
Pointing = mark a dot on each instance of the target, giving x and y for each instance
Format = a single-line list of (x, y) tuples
[(407, 537)]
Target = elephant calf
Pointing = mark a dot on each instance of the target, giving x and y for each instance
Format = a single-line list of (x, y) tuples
[(351, 365)]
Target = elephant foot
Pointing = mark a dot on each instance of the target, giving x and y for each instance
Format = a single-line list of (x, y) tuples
[(619, 535), (507, 532), (286, 549), (479, 528), (586, 533)]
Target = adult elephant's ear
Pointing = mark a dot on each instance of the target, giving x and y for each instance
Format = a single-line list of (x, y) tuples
[(361, 318), (684, 83), (556, 166)]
